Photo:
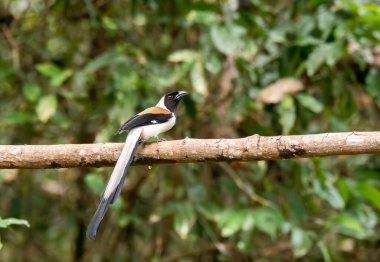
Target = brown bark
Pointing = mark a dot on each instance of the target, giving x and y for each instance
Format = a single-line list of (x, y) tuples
[(192, 150)]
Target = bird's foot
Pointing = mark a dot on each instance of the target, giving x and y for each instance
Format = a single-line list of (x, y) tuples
[(160, 139)]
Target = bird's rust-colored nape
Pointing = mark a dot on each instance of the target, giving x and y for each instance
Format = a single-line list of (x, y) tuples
[(155, 110)]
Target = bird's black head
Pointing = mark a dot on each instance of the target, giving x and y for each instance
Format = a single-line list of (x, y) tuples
[(172, 99)]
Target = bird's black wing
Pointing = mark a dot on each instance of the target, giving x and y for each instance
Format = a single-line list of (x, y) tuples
[(144, 120)]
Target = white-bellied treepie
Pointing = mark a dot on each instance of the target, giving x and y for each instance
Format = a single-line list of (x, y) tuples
[(146, 124)]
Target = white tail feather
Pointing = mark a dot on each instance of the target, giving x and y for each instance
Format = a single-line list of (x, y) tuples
[(116, 181), (126, 154)]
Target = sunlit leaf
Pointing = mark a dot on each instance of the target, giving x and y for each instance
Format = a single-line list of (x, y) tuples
[(7, 222), (198, 79), (184, 55), (202, 17), (349, 225), (325, 251), (231, 221), (46, 107), (286, 110), (301, 242), (184, 219)]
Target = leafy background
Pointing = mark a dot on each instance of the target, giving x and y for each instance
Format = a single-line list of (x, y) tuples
[(72, 71)]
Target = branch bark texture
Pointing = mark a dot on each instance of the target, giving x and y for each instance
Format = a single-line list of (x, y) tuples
[(250, 148)]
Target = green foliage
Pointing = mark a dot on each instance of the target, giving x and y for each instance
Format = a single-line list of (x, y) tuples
[(73, 71), (8, 222)]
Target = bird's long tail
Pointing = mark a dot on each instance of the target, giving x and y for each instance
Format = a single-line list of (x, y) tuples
[(116, 181)]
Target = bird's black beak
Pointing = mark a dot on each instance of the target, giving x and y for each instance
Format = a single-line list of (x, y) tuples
[(180, 95)]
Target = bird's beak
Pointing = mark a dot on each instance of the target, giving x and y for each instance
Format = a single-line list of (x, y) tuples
[(180, 95)]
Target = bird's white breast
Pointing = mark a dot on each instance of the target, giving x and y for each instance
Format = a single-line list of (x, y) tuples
[(156, 129)]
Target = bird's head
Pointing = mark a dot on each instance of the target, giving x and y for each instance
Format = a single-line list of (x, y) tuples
[(171, 100)]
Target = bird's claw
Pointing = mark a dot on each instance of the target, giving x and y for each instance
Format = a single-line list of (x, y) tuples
[(160, 139)]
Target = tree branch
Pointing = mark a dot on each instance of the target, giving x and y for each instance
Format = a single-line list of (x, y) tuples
[(192, 150)]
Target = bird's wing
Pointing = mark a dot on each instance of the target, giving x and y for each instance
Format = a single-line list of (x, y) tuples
[(150, 116)]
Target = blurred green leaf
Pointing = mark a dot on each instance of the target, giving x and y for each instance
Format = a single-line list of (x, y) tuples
[(325, 251), (48, 69), (46, 107), (118, 204), (107, 58), (305, 26), (109, 23), (369, 192), (5, 69), (373, 83), (268, 220), (310, 103), (228, 39), (327, 191), (31, 92), (94, 182), (325, 53), (18, 117), (56, 75), (213, 65), (231, 220), (58, 79), (326, 21), (349, 225), (287, 112), (344, 190)]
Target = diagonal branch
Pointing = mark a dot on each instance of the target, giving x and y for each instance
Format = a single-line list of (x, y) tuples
[(192, 150)]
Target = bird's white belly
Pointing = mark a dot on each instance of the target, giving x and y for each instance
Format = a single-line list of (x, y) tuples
[(156, 129)]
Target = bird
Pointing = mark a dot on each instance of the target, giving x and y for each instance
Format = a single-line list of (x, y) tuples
[(149, 123)]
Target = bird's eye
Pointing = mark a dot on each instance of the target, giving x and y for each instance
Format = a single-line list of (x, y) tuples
[(170, 96)]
